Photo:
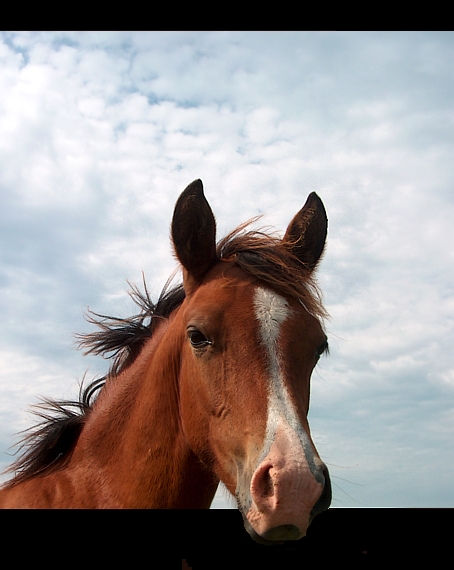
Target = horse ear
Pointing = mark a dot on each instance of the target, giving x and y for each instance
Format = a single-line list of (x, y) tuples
[(194, 234), (306, 233)]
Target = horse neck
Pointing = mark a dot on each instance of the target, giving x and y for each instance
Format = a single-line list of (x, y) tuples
[(134, 440)]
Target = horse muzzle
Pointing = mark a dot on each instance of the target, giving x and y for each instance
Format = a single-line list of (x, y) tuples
[(287, 491)]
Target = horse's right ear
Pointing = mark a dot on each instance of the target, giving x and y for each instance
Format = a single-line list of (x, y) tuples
[(194, 235)]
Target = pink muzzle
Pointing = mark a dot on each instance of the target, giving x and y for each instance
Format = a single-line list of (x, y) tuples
[(288, 488)]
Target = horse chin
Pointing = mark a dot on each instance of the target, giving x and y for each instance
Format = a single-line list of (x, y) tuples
[(274, 536)]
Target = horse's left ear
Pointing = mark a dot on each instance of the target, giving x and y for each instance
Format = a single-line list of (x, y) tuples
[(194, 234), (306, 233)]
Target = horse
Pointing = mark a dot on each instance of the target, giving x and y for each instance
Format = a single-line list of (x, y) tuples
[(209, 384)]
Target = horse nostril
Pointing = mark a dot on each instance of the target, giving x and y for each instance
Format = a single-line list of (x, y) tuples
[(324, 500), (262, 485), (267, 489)]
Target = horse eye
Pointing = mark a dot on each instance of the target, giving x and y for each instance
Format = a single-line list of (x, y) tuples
[(198, 339), (322, 349)]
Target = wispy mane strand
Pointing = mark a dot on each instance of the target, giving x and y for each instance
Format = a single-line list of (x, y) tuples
[(273, 262)]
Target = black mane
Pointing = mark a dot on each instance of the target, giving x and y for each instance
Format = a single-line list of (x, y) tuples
[(122, 339), (49, 444)]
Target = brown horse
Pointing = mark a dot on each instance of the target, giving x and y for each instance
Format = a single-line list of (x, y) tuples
[(211, 383)]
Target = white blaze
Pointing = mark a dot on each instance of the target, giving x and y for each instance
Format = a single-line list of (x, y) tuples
[(271, 312)]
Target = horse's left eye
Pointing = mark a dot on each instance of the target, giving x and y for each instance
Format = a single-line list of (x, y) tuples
[(322, 349), (198, 339)]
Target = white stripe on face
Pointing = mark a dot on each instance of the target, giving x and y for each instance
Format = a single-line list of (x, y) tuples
[(271, 312)]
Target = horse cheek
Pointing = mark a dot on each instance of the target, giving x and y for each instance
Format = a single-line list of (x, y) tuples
[(194, 402)]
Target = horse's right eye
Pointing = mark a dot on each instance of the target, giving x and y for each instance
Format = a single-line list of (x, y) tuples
[(198, 339)]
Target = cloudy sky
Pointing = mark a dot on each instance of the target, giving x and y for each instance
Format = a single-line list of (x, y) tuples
[(100, 132)]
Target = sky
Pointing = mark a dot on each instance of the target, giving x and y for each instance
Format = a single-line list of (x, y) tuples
[(101, 132)]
